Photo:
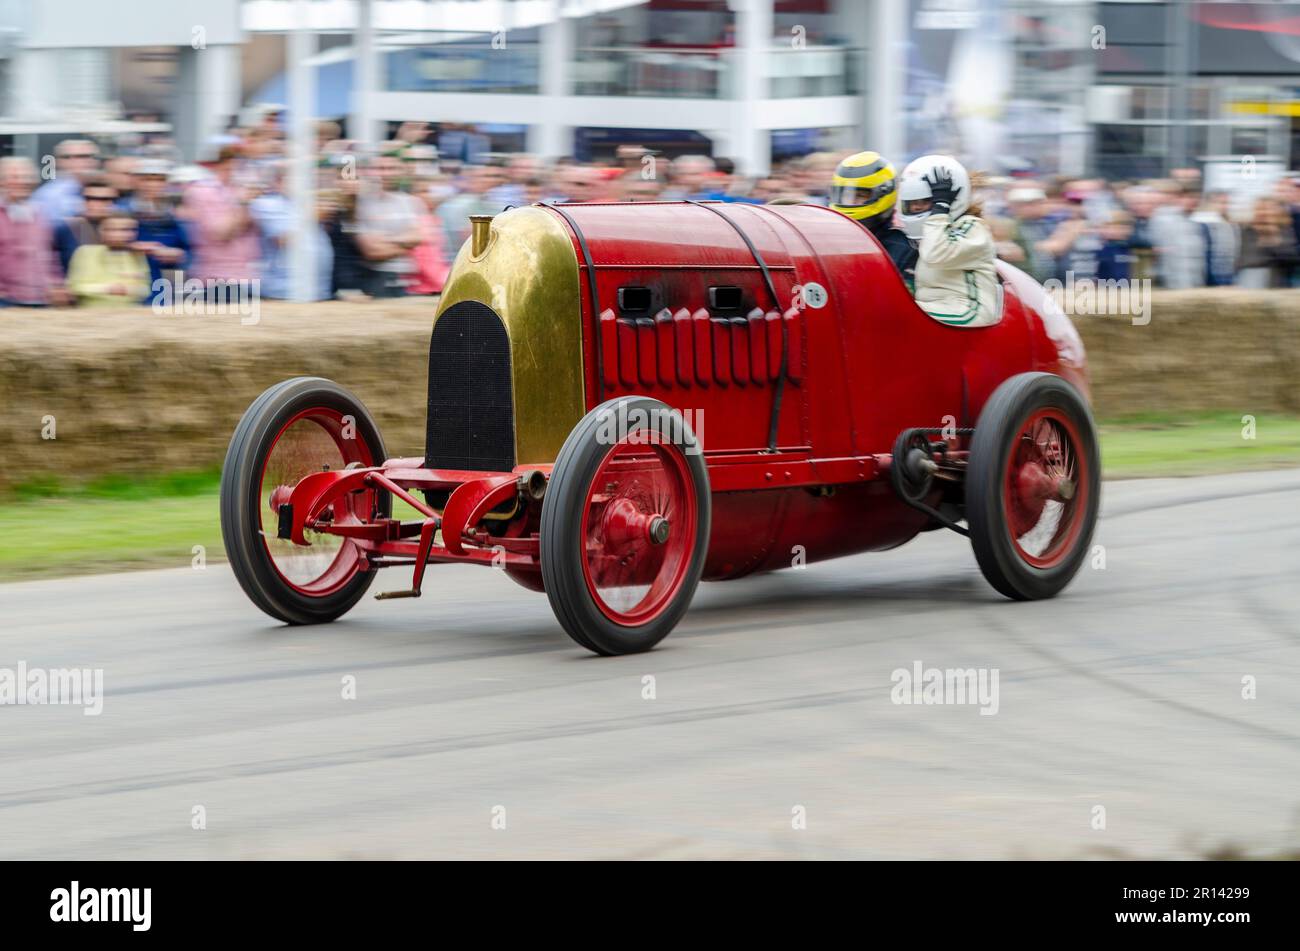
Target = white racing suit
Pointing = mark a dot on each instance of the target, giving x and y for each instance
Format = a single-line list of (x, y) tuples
[(956, 281)]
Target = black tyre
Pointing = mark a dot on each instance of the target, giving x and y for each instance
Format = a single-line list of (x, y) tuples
[(1033, 486), (293, 429), (625, 526)]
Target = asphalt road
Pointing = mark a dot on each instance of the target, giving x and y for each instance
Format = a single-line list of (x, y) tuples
[(774, 693)]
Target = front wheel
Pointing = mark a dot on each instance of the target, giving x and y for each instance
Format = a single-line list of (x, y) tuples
[(625, 526), (1033, 486), (293, 429)]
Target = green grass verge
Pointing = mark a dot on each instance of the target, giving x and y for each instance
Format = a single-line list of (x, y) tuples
[(1147, 447), (115, 523), (89, 530), (77, 534)]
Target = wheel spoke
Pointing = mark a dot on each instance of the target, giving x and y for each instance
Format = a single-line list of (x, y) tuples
[(632, 577), (311, 442), (1044, 498)]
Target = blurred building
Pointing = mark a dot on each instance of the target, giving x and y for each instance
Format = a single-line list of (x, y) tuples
[(1180, 84), (72, 67), (742, 78), (1126, 88)]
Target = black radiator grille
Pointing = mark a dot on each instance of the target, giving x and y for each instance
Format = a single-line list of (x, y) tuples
[(471, 422)]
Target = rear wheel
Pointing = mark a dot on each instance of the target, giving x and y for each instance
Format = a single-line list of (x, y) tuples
[(1033, 486), (625, 526), (295, 428)]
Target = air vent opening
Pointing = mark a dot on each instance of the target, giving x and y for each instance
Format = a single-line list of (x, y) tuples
[(726, 300), (635, 301)]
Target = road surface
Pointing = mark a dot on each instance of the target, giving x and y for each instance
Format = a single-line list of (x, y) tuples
[(771, 731)]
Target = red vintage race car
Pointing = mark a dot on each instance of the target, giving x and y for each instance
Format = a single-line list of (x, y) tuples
[(627, 398)]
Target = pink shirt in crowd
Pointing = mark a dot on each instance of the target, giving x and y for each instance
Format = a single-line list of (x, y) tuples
[(29, 266), (430, 259), (209, 207)]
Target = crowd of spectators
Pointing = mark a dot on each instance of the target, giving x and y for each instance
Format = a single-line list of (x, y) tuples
[(1170, 231), (97, 230)]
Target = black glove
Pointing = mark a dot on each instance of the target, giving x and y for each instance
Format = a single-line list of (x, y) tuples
[(942, 191)]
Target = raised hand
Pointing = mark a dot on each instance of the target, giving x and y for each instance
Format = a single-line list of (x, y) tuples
[(942, 191)]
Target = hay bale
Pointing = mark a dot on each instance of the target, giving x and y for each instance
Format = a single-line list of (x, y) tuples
[(137, 392)]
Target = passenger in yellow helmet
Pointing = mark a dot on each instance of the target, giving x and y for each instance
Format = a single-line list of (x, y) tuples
[(865, 189)]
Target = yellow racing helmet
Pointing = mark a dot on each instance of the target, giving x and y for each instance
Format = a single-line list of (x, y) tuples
[(865, 189)]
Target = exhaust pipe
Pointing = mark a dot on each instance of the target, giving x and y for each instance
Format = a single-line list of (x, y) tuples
[(480, 230)]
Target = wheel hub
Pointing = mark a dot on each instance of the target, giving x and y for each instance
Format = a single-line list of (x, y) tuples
[(626, 526), (658, 530)]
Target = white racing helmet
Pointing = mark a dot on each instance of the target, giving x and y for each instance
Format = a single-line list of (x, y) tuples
[(914, 195)]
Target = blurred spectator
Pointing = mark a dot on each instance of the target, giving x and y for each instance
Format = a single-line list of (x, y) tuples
[(322, 247), (1268, 246), (430, 256), (1141, 202), (388, 228), (160, 235), (110, 273), (272, 215), (1071, 245), (476, 182), (1288, 192), (574, 182), (264, 116), (1004, 241), (412, 133), (60, 198), (1180, 249), (1098, 201), (1115, 257), (637, 158), (765, 189), (725, 186), (277, 221), (30, 275), (1083, 256), (261, 149), (632, 187), (223, 238), (100, 199), (690, 177), (350, 277), (1219, 238), (518, 170), (120, 172), (534, 191), (420, 161), (1029, 209), (327, 132), (812, 175), (462, 143)]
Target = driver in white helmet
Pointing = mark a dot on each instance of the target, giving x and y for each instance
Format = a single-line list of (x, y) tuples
[(956, 280)]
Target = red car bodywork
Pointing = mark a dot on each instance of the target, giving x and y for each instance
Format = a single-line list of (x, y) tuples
[(862, 367)]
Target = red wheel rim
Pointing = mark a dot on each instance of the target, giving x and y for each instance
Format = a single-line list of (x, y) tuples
[(639, 528), (1045, 488), (312, 441)]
